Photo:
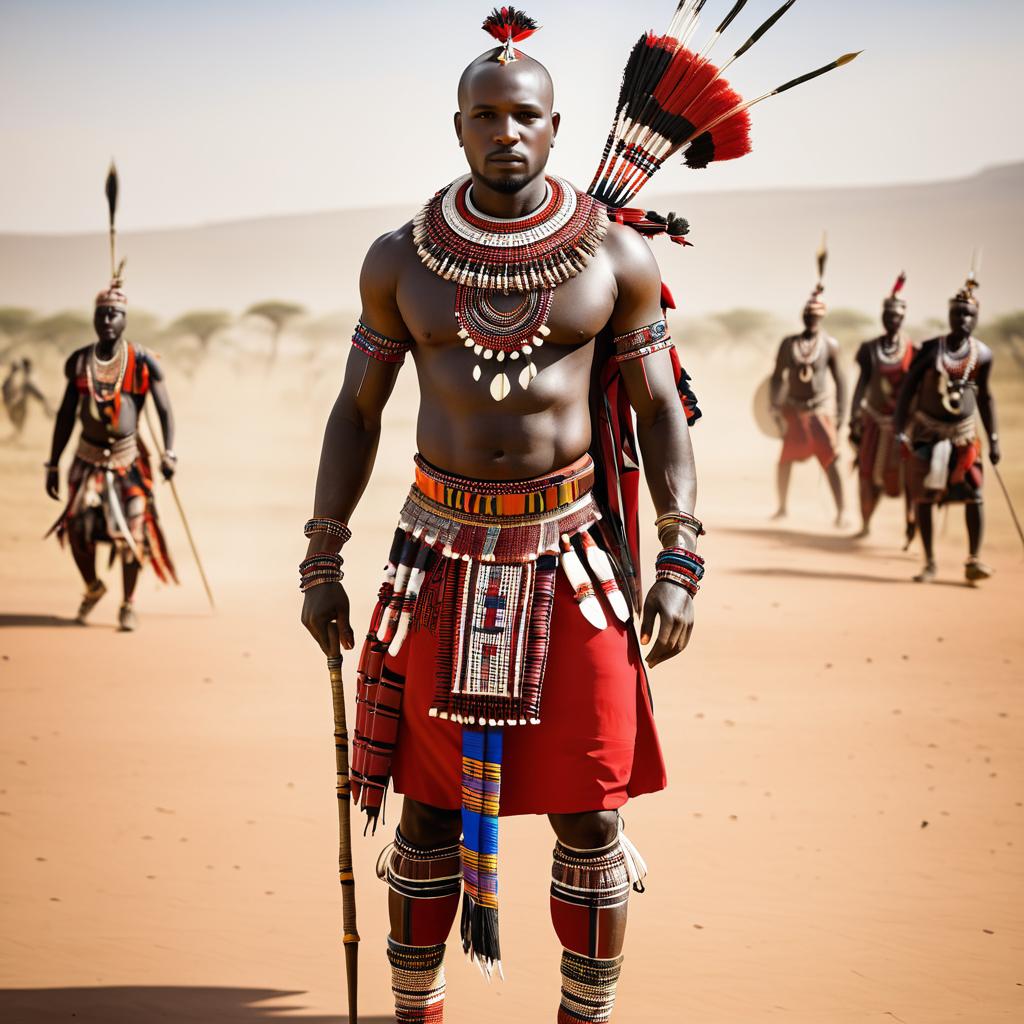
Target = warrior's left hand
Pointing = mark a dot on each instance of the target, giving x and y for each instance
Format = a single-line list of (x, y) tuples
[(673, 607), (168, 465), (994, 455)]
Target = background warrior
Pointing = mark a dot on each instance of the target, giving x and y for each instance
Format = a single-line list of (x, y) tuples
[(110, 483), (883, 364), (948, 383), (800, 395)]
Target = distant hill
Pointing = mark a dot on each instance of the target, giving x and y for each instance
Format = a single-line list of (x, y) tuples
[(751, 249)]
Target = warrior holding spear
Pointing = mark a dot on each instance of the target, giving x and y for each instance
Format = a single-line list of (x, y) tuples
[(502, 672), (110, 483)]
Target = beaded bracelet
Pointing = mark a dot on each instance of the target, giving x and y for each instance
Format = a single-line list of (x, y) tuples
[(682, 567), (324, 524), (319, 569), (679, 517)]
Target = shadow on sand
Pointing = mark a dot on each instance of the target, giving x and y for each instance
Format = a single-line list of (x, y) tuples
[(11, 619), (847, 577), (836, 542), (142, 1004)]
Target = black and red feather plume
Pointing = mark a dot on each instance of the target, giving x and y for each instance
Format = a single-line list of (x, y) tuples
[(509, 25), (898, 286), (673, 99)]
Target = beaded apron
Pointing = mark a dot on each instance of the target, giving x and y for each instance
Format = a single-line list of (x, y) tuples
[(476, 562), (489, 256)]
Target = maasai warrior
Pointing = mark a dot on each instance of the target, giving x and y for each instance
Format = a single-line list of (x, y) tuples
[(883, 363), (800, 396), (18, 388), (110, 483), (948, 382), (501, 673)]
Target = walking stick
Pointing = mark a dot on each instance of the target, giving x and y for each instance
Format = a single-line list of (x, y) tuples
[(1009, 503), (181, 511), (345, 873)]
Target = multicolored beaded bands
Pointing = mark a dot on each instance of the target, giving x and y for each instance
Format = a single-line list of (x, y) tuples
[(681, 567), (324, 524), (642, 342), (318, 569), (379, 346)]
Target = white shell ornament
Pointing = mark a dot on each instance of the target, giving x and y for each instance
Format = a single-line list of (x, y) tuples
[(500, 387)]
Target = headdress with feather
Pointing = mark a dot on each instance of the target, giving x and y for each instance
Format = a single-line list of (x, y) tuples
[(816, 304), (509, 25), (967, 295), (113, 294), (895, 300)]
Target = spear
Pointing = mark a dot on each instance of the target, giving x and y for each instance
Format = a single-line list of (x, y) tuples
[(1009, 502), (345, 873), (181, 512)]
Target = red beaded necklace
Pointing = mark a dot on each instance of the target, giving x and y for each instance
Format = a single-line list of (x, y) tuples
[(486, 255)]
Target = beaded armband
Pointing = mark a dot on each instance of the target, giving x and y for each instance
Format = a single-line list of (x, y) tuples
[(642, 342), (379, 346), (319, 569), (324, 524), (683, 568)]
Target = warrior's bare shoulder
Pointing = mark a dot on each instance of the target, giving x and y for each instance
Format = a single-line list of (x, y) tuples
[(632, 262), (387, 256), (985, 354)]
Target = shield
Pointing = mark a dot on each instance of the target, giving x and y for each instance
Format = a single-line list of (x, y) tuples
[(767, 420)]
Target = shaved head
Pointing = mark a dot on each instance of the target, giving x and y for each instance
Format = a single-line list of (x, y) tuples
[(524, 72)]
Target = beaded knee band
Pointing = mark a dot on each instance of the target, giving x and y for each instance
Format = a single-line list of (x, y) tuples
[(422, 872), (596, 879), (417, 980), (588, 988)]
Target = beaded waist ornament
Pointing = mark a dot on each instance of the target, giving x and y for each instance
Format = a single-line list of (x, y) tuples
[(489, 553)]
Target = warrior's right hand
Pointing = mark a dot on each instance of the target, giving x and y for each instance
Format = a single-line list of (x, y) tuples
[(53, 482), (323, 605)]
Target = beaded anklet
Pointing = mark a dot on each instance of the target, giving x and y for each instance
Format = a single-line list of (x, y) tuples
[(324, 524), (318, 569)]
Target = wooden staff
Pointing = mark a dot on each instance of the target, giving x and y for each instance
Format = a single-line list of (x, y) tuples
[(345, 873), (1009, 502), (181, 511)]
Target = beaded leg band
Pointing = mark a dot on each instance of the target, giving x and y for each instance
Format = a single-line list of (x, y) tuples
[(588, 988), (427, 882), (589, 893), (417, 980)]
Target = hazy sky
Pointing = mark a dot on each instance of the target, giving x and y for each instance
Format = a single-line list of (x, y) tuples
[(225, 109)]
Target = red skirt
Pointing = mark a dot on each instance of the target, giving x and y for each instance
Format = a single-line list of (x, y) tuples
[(879, 459), (596, 745), (809, 434)]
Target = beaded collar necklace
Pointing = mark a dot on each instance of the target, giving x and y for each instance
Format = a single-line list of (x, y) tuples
[(488, 256), (895, 355), (807, 351), (955, 370)]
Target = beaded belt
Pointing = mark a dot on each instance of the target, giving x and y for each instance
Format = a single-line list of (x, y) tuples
[(520, 498), (119, 454), (960, 432)]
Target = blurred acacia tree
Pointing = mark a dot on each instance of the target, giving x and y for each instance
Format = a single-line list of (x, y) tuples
[(201, 324), (278, 314), (1006, 333), (14, 321), (66, 331)]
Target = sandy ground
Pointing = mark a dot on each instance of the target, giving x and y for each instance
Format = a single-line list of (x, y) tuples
[(841, 840)]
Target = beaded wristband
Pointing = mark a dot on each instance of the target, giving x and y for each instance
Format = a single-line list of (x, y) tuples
[(319, 569), (680, 558), (679, 517), (324, 524), (680, 581)]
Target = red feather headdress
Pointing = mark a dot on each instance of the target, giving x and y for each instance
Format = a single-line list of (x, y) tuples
[(509, 25)]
